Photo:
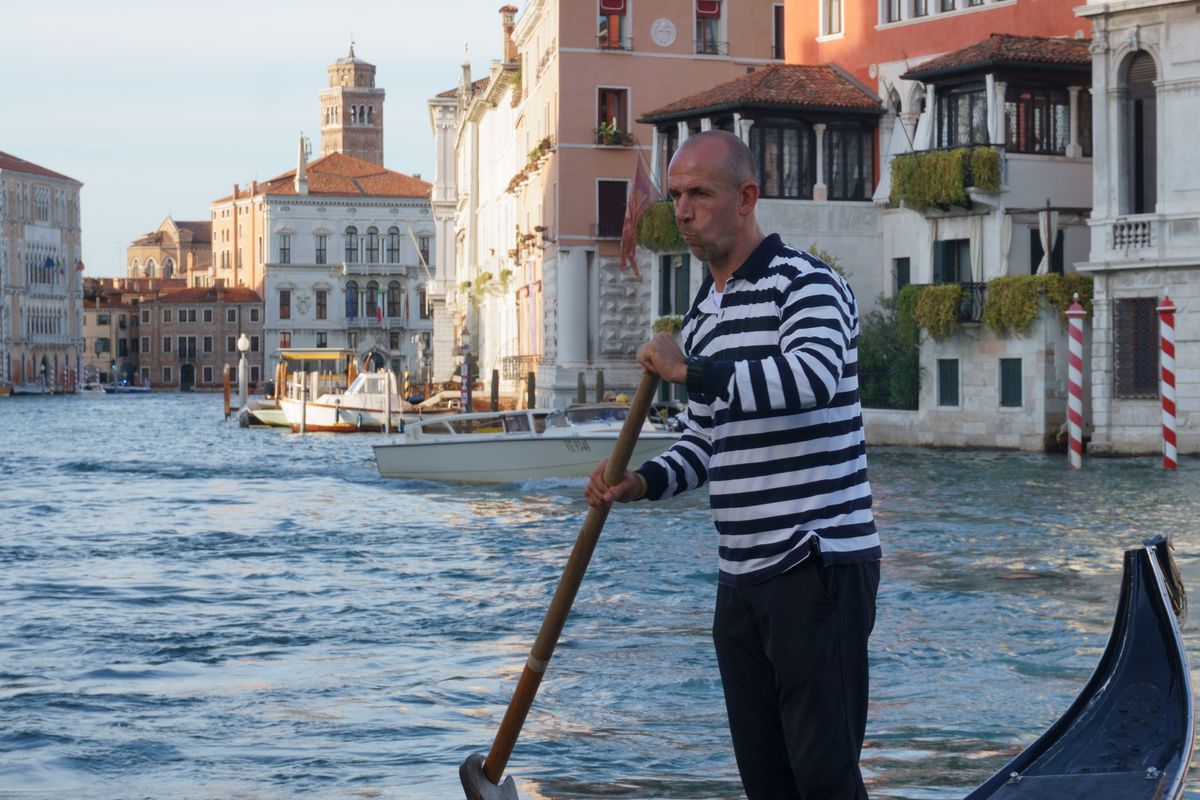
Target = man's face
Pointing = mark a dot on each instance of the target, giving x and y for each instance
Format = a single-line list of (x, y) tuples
[(706, 200)]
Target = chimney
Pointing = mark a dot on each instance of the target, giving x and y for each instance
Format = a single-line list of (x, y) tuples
[(508, 15), (301, 171)]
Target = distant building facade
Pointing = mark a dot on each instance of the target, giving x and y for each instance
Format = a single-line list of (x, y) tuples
[(41, 294), (176, 249), (109, 341), (186, 337), (534, 167), (1145, 223)]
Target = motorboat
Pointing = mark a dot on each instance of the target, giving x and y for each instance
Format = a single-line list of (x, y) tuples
[(263, 414), (124, 387), (1128, 735), (507, 446), (364, 406), (93, 388)]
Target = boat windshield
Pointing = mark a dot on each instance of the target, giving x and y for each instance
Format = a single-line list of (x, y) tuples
[(553, 419), (597, 412), (488, 424), (516, 423)]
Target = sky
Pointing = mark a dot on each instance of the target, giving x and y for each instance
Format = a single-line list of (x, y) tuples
[(160, 106)]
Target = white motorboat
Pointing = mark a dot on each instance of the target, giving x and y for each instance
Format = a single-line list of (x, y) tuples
[(507, 446), (364, 406), (93, 388)]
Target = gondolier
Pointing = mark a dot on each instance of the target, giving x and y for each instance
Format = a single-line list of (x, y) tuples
[(774, 427)]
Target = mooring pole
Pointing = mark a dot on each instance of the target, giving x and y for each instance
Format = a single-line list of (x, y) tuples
[(1075, 315), (1166, 316)]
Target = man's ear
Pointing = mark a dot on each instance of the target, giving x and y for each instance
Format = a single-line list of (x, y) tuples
[(748, 194)]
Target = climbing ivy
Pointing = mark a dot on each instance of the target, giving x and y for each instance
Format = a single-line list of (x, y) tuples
[(657, 230)]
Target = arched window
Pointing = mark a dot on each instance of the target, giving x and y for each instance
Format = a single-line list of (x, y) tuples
[(351, 244), (370, 115), (169, 268), (372, 245), (151, 268), (393, 245), (1140, 140), (373, 299), (134, 268), (395, 298), (353, 115), (351, 299)]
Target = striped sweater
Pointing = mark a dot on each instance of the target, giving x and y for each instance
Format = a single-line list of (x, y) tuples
[(774, 424)]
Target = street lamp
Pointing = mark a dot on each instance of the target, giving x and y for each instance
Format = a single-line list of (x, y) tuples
[(243, 344)]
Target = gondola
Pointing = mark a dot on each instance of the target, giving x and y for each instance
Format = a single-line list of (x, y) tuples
[(1128, 735)]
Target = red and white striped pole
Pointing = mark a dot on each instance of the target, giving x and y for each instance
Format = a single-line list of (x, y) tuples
[(1075, 315), (1166, 317)]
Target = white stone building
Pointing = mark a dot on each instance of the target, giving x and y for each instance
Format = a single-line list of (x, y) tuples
[(1145, 224), (41, 278), (348, 254)]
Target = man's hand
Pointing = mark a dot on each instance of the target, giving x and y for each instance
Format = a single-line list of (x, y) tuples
[(600, 495), (662, 356)]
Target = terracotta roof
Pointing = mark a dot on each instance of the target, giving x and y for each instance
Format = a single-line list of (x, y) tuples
[(340, 174), (21, 165), (201, 230), (1007, 50), (476, 87), (106, 305), (781, 86), (205, 294)]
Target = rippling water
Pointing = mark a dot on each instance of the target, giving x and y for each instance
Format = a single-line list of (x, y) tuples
[(193, 610)]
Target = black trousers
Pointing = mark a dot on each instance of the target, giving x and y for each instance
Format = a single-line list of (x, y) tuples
[(793, 659)]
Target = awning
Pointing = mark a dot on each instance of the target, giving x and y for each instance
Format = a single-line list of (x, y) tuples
[(612, 6), (708, 8), (314, 354)]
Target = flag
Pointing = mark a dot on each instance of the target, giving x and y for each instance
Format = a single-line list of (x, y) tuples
[(379, 305), (48, 263), (642, 195)]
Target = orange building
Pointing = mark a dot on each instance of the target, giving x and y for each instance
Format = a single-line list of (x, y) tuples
[(175, 249)]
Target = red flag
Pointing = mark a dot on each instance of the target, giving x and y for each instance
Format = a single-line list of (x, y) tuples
[(642, 195)]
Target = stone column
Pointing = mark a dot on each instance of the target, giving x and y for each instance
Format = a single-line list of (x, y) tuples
[(705, 124), (1074, 149), (654, 145), (742, 126), (1000, 132), (820, 190), (572, 307), (683, 132)]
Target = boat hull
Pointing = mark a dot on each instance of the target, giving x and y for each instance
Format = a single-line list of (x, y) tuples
[(316, 417), (1128, 735), (505, 459)]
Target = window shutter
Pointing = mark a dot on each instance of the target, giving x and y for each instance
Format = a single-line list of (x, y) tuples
[(612, 6), (939, 262), (708, 8)]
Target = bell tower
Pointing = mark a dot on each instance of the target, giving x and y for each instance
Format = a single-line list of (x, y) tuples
[(352, 111)]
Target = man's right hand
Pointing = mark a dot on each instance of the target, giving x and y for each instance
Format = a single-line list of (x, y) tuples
[(600, 495)]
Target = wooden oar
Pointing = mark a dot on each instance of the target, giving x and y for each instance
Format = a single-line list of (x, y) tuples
[(480, 776)]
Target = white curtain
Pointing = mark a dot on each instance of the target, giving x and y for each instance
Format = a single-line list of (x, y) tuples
[(976, 247), (1048, 232), (1005, 243)]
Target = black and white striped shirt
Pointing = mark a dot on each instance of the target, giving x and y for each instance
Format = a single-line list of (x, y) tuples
[(773, 421)]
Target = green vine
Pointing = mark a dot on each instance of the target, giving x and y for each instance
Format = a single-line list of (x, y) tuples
[(829, 258), (937, 307), (1013, 301), (657, 230), (939, 178), (671, 324)]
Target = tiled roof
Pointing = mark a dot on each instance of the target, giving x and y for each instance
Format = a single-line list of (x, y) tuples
[(782, 86), (340, 174), (1007, 50), (201, 230), (21, 165), (106, 305), (476, 87), (204, 294)]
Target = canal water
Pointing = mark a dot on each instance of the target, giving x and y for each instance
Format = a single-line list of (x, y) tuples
[(193, 610)]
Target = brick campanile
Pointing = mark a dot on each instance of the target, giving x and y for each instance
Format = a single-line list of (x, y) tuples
[(352, 111)]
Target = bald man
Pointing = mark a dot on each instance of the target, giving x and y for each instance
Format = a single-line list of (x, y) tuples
[(774, 427)]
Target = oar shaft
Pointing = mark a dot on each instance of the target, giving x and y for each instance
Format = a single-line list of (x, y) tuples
[(568, 587)]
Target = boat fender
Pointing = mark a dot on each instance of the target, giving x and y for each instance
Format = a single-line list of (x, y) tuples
[(401, 426), (359, 425)]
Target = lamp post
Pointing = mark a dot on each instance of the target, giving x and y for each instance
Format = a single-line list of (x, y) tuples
[(243, 344)]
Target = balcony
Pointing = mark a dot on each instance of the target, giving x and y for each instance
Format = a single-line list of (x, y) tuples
[(373, 268), (609, 43), (606, 230), (711, 47), (370, 322), (515, 368)]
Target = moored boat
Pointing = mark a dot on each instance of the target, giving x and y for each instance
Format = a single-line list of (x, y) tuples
[(364, 406), (1128, 735), (506, 446)]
